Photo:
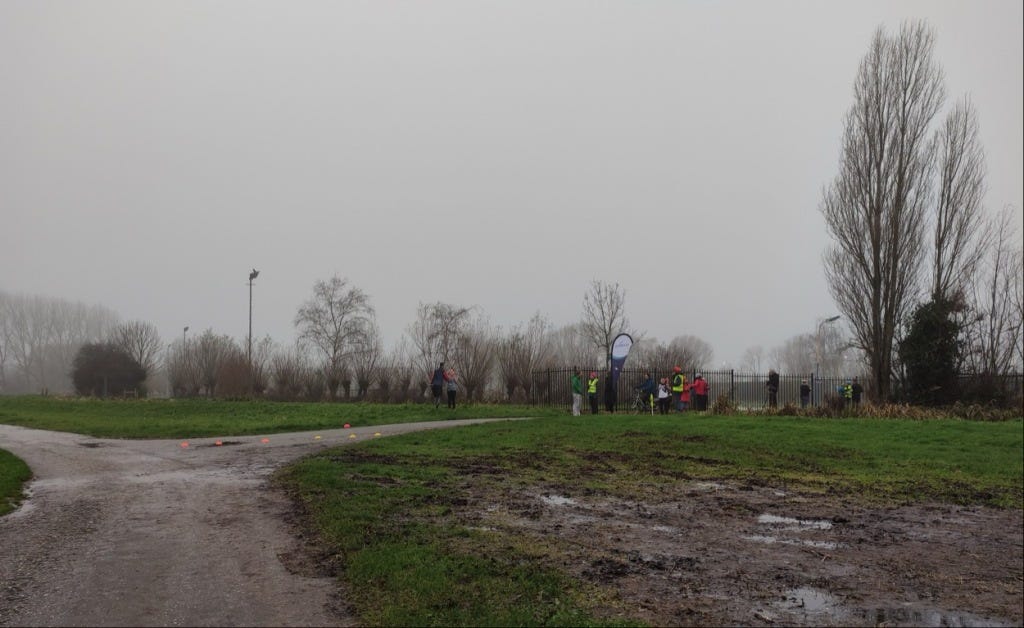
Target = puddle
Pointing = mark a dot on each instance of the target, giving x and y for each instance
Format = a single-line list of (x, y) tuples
[(709, 486), (223, 443), (93, 445), (557, 500), (758, 538), (812, 524), (811, 600), (927, 617)]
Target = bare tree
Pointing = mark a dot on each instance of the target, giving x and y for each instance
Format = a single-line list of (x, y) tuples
[(335, 322), (995, 333), (689, 352), (210, 353), (604, 316), (752, 360), (260, 364), (288, 374), (6, 332), (520, 352), (182, 370), (42, 335), (875, 209), (476, 357), (141, 341), (959, 237), (569, 347), (366, 360), (435, 335), (401, 372)]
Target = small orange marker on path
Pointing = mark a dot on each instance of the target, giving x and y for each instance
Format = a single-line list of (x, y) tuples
[(265, 440), (218, 443), (184, 444)]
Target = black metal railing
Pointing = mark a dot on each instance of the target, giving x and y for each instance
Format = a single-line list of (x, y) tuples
[(745, 391)]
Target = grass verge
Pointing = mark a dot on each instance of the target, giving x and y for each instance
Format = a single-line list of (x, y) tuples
[(402, 515), (194, 418), (13, 475)]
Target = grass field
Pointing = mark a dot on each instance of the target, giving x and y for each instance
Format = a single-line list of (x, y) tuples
[(389, 508), (194, 418), (13, 475)]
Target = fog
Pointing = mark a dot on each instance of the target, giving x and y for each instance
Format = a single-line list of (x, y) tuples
[(499, 155)]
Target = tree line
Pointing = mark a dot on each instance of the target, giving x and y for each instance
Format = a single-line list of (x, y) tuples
[(338, 352)]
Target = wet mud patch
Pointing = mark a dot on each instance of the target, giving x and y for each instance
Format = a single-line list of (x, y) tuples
[(728, 553)]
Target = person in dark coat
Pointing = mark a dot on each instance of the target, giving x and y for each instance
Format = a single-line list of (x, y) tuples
[(856, 390), (805, 393), (773, 388), (610, 397)]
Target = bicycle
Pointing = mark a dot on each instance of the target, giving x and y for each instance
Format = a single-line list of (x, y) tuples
[(641, 403)]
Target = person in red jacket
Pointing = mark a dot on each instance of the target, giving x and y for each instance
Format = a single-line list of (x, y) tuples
[(700, 393)]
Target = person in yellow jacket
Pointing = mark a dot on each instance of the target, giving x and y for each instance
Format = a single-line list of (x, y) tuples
[(592, 391), (678, 386)]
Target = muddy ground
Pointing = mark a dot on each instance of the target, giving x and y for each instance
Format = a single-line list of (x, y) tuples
[(734, 554), (151, 533)]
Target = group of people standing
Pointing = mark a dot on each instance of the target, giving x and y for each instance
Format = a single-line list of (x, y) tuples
[(851, 392), (668, 391), (444, 379)]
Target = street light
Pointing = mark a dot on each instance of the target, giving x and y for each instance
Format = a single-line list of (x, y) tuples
[(253, 275), (817, 355), (184, 342), (817, 348)]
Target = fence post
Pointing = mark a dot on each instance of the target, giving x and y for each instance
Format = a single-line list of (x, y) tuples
[(549, 386), (732, 386)]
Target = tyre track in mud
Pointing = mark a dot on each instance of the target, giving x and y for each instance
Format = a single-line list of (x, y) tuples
[(150, 533)]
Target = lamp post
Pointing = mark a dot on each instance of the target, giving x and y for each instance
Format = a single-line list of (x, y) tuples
[(817, 348), (253, 275), (184, 341)]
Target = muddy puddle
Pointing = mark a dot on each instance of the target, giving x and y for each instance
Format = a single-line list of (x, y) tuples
[(731, 554)]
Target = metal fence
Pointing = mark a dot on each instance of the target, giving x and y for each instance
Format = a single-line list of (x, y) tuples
[(747, 391)]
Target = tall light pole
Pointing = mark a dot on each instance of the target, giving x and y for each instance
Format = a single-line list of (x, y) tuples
[(817, 348), (184, 342), (253, 275)]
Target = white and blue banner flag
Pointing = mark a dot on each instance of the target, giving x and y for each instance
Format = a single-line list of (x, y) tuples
[(620, 349)]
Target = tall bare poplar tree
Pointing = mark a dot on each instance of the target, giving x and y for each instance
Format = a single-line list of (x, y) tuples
[(876, 209), (959, 235)]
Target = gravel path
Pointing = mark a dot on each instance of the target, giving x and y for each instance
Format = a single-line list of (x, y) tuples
[(150, 533)]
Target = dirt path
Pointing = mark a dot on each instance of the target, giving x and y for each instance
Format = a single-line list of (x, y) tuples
[(148, 533)]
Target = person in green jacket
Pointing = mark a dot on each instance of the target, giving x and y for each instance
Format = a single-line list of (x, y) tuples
[(577, 392)]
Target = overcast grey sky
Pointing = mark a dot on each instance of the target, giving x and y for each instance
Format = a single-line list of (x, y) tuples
[(498, 154)]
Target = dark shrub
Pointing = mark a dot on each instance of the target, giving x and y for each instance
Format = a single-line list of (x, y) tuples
[(103, 369)]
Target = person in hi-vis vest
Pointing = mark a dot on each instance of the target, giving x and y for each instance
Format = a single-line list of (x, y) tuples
[(678, 384), (592, 392)]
